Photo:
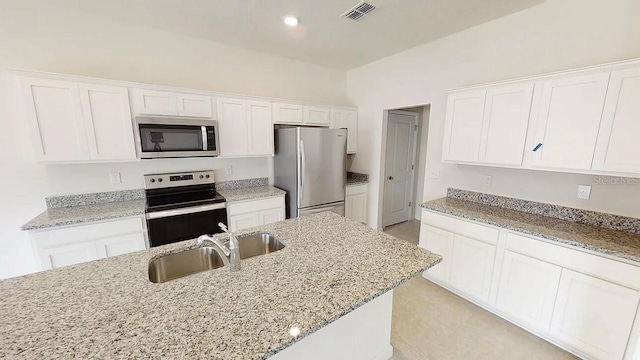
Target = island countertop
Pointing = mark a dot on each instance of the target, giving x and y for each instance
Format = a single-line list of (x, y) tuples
[(109, 309)]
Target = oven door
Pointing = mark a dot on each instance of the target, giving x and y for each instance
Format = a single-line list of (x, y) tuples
[(170, 226), (163, 138)]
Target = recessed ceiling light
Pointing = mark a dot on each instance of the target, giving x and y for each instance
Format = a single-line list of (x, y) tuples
[(291, 20)]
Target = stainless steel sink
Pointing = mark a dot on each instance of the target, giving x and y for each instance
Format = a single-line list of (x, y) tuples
[(189, 262), (184, 263), (258, 244)]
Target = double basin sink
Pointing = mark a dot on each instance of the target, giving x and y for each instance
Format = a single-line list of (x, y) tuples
[(193, 261)]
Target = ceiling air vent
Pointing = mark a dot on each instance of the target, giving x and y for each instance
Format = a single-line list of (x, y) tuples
[(359, 11)]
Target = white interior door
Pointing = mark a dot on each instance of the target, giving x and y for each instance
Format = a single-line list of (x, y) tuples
[(618, 147), (399, 167)]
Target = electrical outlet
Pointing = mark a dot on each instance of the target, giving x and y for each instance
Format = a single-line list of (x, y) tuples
[(115, 178), (434, 174), (228, 170), (486, 180), (584, 192)]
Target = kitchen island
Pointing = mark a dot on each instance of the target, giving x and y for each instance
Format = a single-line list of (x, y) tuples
[(330, 266)]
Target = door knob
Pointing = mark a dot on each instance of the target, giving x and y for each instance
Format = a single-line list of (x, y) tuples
[(390, 177)]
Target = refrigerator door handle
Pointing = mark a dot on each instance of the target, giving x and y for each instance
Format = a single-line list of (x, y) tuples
[(302, 169)]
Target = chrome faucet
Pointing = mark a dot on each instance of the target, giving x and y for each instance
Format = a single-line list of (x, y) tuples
[(230, 255)]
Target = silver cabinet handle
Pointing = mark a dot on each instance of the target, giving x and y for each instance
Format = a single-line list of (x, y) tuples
[(302, 168)]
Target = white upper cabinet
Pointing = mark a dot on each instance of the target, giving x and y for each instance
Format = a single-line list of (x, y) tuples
[(55, 119), (568, 120), (504, 124), (107, 118), (617, 148), (463, 126), (287, 114), (164, 103), (315, 115), (347, 119), (246, 127)]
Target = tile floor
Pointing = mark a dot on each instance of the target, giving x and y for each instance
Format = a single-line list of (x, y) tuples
[(430, 323)]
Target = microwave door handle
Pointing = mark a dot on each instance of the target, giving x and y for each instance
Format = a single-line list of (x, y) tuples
[(302, 169), (205, 145)]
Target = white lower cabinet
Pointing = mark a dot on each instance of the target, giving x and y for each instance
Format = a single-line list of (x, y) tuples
[(594, 315), (584, 303), (472, 266), (528, 289), (250, 213), (58, 247), (355, 206)]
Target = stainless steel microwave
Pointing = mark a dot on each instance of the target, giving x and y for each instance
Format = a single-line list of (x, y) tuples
[(176, 137)]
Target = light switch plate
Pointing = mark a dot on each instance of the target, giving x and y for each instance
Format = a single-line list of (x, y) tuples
[(584, 192), (486, 180), (434, 174), (115, 178), (228, 170)]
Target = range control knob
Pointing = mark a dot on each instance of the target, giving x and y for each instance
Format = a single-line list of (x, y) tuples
[(159, 179), (207, 176), (201, 176), (153, 180)]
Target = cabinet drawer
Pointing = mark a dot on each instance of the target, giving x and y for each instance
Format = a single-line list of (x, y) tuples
[(243, 207), (356, 189), (462, 227), (607, 269), (53, 238)]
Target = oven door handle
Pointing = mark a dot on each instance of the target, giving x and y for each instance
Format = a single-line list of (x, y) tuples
[(184, 211)]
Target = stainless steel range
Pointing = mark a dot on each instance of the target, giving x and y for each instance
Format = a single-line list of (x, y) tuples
[(182, 206)]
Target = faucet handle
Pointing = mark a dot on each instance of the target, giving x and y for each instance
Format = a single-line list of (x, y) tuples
[(223, 227)]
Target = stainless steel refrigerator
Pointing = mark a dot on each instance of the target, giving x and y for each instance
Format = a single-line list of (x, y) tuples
[(310, 164)]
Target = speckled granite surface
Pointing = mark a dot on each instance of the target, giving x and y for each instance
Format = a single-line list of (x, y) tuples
[(609, 221), (236, 184), (249, 193), (94, 198), (602, 240), (87, 213), (108, 309), (354, 178)]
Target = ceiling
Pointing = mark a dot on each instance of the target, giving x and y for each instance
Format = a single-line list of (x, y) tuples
[(323, 37)]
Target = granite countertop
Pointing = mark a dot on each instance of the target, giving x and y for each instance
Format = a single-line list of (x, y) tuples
[(109, 309), (598, 239), (250, 193), (354, 178), (86, 213)]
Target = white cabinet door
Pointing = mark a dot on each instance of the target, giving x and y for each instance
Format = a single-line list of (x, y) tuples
[(356, 207), (244, 221), (472, 266), (618, 148), (271, 216), (55, 119), (528, 289), (260, 128), (568, 120), (194, 105), (315, 115), (594, 315), (438, 242), (504, 125), (233, 127), (463, 126), (287, 114), (107, 118), (152, 102), (68, 255), (347, 119), (120, 245)]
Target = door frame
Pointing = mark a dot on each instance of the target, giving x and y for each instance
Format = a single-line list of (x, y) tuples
[(383, 163)]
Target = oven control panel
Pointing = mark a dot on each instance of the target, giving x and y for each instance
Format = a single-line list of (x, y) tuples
[(159, 181)]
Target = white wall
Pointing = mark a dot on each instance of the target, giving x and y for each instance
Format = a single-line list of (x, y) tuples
[(553, 36), (42, 38)]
